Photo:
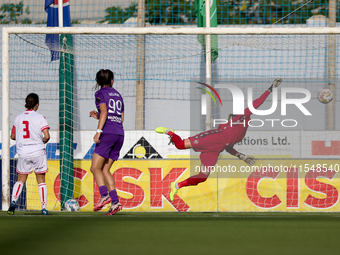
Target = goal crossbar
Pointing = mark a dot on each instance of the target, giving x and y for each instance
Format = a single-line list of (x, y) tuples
[(174, 30)]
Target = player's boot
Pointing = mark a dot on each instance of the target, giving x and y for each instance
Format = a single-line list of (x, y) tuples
[(103, 201), (11, 208), (162, 130), (173, 191), (275, 84), (114, 208), (44, 212)]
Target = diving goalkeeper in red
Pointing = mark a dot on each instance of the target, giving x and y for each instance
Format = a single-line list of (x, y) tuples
[(212, 142)]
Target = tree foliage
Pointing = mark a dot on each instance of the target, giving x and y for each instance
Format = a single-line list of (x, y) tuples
[(13, 14), (118, 15), (229, 12), (176, 12), (157, 12), (269, 11)]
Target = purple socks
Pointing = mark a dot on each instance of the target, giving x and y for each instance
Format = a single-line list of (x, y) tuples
[(113, 193), (103, 191), (114, 196)]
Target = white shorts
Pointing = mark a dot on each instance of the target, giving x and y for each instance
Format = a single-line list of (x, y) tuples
[(27, 165)]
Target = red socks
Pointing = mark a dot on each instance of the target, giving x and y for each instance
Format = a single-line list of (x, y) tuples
[(177, 140), (193, 180)]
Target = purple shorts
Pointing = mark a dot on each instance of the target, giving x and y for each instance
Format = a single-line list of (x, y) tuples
[(109, 146)]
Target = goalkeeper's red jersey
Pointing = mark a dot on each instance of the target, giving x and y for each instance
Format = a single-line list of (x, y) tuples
[(235, 130)]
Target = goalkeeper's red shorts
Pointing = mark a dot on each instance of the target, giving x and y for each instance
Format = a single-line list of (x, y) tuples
[(210, 143)]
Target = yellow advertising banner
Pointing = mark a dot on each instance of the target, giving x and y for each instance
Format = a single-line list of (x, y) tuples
[(144, 185)]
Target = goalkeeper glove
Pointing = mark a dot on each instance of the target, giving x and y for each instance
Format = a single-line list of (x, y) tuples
[(275, 84), (250, 160)]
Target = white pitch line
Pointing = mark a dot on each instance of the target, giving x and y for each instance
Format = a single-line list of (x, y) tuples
[(181, 216)]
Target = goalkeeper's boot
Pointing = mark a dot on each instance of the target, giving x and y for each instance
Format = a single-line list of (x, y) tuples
[(162, 130), (114, 208), (275, 84), (44, 212), (11, 208), (173, 191), (103, 201)]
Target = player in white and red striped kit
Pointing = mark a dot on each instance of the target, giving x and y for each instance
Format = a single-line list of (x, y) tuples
[(31, 132)]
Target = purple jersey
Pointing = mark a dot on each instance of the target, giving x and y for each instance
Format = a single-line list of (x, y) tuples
[(115, 108)]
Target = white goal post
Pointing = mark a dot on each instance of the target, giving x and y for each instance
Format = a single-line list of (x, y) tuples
[(7, 31)]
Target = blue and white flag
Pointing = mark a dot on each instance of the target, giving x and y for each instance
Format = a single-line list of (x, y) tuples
[(52, 40)]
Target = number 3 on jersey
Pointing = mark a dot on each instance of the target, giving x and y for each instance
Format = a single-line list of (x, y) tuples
[(26, 129), (115, 106)]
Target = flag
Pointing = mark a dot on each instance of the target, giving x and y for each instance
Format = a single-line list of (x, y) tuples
[(52, 40), (200, 13)]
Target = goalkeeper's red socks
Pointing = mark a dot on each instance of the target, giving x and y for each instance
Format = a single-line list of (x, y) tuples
[(177, 140), (193, 180)]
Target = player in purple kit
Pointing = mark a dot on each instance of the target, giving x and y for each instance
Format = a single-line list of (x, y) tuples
[(109, 139)]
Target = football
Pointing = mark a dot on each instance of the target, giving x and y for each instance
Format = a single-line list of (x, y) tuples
[(325, 95), (71, 205)]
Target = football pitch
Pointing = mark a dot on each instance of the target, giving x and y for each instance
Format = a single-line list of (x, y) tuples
[(169, 233)]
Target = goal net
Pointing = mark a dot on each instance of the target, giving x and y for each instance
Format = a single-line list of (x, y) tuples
[(159, 72)]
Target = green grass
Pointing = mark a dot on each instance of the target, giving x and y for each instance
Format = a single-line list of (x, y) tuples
[(170, 233)]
